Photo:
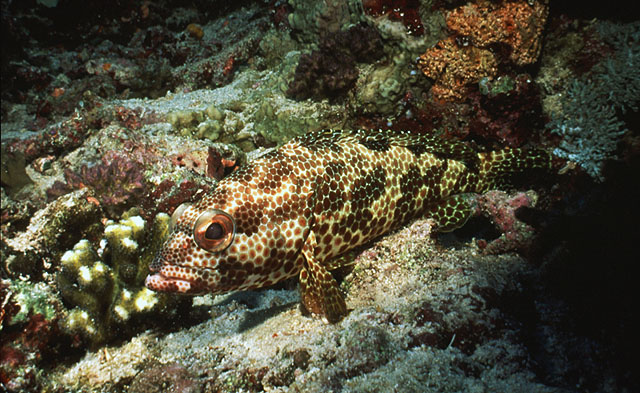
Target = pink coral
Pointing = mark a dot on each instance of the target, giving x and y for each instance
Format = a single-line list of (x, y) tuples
[(500, 208)]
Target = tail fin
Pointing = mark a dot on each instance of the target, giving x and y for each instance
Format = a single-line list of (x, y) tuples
[(498, 168)]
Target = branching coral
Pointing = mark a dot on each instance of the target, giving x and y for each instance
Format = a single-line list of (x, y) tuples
[(481, 29), (590, 124), (331, 70), (106, 286)]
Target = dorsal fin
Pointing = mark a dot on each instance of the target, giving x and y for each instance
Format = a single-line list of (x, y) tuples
[(380, 140)]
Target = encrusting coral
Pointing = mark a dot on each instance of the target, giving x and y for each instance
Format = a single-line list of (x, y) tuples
[(105, 286), (517, 24), (480, 29), (310, 19)]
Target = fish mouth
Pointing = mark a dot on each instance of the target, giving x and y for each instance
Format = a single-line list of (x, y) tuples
[(164, 278), (162, 283)]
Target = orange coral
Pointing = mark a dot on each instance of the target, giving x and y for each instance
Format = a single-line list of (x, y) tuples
[(454, 67), (518, 25)]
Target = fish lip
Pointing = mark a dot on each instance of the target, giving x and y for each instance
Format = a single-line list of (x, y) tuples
[(161, 283)]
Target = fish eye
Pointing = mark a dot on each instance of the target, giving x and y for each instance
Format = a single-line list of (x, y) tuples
[(214, 230), (176, 215)]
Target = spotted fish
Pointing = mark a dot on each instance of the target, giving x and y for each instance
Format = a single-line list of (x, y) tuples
[(295, 211)]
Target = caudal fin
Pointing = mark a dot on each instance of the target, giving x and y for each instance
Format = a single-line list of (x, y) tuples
[(499, 168)]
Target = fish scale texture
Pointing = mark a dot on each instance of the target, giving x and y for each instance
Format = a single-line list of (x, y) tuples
[(297, 209)]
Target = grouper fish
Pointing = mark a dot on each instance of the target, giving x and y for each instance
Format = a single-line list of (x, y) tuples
[(296, 210)]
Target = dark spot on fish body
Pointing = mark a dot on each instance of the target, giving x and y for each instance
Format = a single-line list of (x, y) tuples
[(322, 140), (444, 150), (364, 189), (379, 144), (409, 186), (289, 266), (335, 169), (417, 149)]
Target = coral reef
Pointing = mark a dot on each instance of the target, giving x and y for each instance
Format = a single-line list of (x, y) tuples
[(454, 67), (124, 168), (138, 57), (217, 124), (331, 70), (105, 287), (506, 111), (467, 55), (29, 315), (146, 105), (14, 176), (500, 207), (446, 312), (517, 24)]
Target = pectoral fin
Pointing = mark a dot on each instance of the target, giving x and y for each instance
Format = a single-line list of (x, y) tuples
[(318, 289), (450, 213)]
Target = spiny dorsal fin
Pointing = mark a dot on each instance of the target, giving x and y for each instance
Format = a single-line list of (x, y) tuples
[(381, 140)]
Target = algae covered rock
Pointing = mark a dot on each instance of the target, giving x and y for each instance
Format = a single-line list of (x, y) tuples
[(310, 19), (31, 252)]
